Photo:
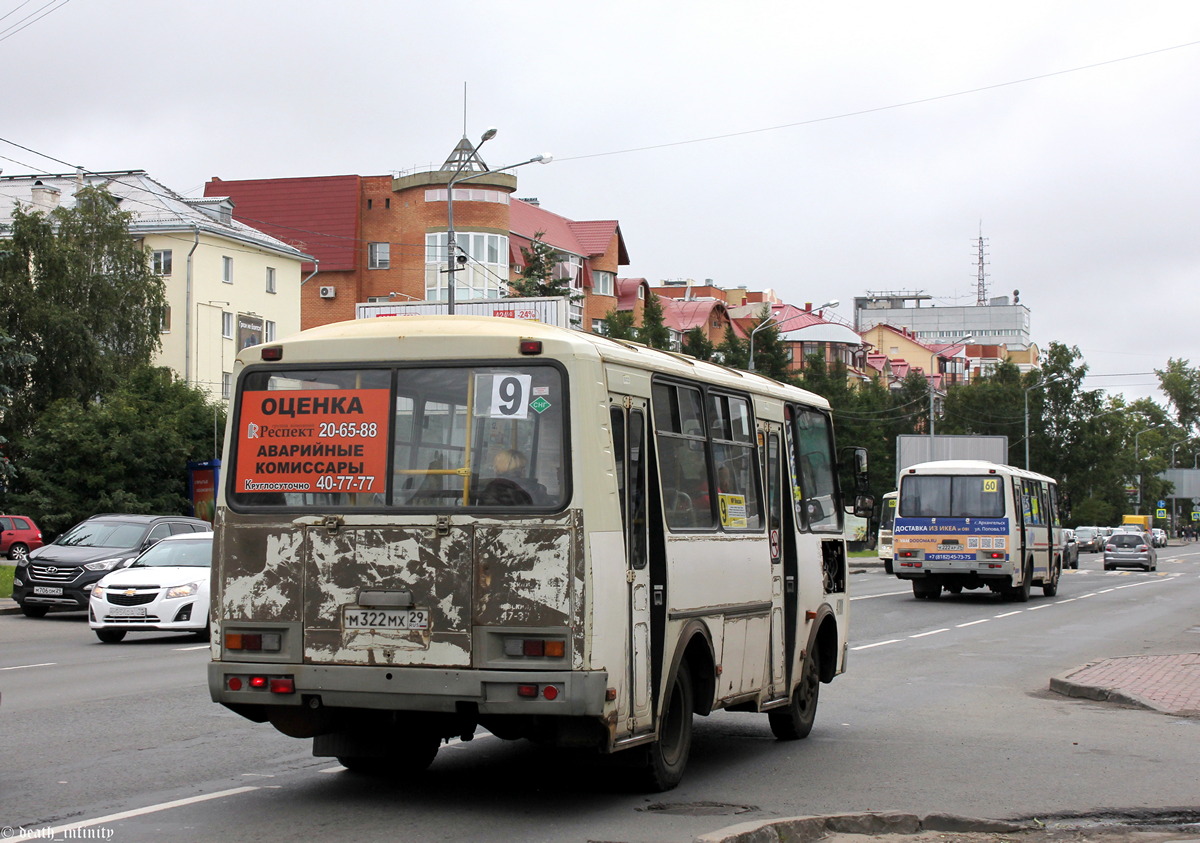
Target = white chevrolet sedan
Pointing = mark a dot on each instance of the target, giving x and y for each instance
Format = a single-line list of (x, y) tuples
[(165, 590)]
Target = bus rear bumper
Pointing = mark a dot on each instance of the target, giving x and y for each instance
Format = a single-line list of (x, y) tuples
[(560, 693)]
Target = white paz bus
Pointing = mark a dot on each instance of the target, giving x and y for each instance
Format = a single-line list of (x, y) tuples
[(431, 524), (973, 524)]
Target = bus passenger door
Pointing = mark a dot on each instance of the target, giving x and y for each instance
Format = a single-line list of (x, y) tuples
[(780, 594), (628, 417)]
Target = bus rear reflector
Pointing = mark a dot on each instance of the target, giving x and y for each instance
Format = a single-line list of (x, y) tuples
[(550, 692), (235, 683)]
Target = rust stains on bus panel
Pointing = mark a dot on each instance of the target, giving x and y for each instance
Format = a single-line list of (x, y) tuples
[(259, 568), (524, 576), (429, 576), (579, 610)]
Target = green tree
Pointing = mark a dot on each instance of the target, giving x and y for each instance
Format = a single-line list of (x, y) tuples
[(618, 324), (127, 452), (13, 365), (537, 275), (79, 299), (698, 345), (770, 352), (733, 351), (1181, 383), (654, 331)]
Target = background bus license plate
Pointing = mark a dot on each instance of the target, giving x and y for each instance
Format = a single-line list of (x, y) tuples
[(355, 618)]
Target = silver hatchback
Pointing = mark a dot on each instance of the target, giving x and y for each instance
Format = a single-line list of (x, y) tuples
[(1130, 550)]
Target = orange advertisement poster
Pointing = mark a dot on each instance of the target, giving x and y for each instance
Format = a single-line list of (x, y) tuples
[(328, 440)]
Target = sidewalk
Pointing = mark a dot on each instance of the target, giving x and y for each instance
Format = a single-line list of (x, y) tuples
[(1170, 684)]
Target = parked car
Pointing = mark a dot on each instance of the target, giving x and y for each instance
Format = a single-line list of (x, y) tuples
[(18, 536), (1159, 537), (60, 575), (1089, 539), (1130, 550), (165, 589), (1070, 549)]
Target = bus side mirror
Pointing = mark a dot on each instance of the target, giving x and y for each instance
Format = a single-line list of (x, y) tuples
[(857, 457), (864, 506)]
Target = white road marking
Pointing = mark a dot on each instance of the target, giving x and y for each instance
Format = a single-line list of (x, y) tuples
[(23, 666), (931, 632), (54, 832), (877, 644), (1008, 614), (971, 623), (197, 647), (873, 596)]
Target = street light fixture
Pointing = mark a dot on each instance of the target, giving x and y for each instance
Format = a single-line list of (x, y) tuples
[(769, 319), (933, 369), (1059, 378), (1137, 509), (453, 259)]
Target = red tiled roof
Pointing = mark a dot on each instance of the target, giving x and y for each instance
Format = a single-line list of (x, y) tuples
[(588, 238), (596, 235), (627, 292), (685, 315), (318, 215)]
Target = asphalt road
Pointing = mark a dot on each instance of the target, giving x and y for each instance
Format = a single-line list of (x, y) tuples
[(945, 707)]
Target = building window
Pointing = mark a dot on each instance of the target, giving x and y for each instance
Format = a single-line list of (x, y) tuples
[(227, 270), (270, 279), (226, 384), (227, 324), (160, 262), (599, 327), (370, 202), (379, 255), (641, 292), (603, 283), (268, 331), (483, 276), (468, 194), (164, 324)]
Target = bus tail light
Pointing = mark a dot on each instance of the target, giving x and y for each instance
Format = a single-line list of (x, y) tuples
[(274, 684), (994, 555), (283, 685), (530, 347), (527, 691), (269, 642), (549, 648)]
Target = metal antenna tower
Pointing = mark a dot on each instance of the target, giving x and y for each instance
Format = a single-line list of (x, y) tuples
[(981, 288)]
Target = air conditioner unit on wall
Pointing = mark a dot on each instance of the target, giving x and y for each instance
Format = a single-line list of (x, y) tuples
[(328, 292)]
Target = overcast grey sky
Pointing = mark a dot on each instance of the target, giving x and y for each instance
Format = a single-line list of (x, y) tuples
[(821, 149)]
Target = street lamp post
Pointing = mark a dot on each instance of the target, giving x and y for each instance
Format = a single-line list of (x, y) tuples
[(1137, 465), (933, 370), (1055, 379), (769, 319), (452, 259)]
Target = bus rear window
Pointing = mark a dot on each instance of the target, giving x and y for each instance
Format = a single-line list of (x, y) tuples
[(945, 496), (419, 438)]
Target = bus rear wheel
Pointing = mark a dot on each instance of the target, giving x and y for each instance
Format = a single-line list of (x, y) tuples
[(927, 589), (402, 757), (1020, 593), (662, 762), (796, 720), (1050, 586)]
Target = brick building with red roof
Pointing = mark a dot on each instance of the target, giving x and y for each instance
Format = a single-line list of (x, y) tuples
[(384, 238)]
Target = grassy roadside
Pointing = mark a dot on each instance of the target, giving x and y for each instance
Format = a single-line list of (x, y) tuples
[(6, 575)]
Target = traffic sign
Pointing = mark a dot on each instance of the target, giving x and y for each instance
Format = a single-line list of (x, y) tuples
[(1160, 513)]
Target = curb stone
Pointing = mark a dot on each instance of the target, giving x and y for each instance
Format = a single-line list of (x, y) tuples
[(811, 828)]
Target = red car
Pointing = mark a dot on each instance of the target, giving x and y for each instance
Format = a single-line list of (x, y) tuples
[(18, 536)]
